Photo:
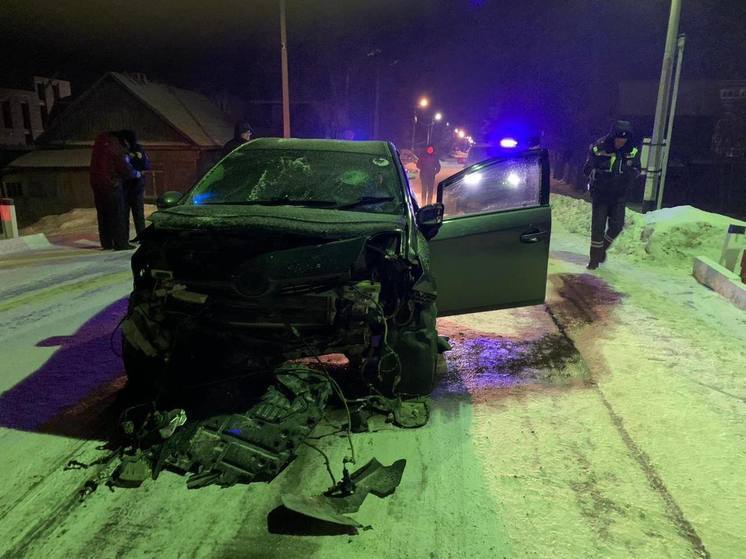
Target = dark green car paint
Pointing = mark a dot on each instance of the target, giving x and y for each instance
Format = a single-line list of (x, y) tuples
[(493, 260)]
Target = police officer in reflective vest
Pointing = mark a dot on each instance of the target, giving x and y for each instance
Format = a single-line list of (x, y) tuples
[(613, 164)]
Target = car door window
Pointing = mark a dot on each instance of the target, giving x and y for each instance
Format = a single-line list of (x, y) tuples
[(494, 186)]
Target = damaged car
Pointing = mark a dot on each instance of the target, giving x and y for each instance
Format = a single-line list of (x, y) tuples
[(289, 249)]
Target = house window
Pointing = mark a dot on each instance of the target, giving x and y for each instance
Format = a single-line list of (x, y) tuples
[(40, 91), (7, 115), (56, 91), (26, 115), (13, 189)]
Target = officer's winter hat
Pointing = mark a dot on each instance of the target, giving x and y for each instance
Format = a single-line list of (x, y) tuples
[(621, 129)]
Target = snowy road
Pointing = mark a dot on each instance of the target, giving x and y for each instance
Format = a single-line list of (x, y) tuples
[(609, 423)]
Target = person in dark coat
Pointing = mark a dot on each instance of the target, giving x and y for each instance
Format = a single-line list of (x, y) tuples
[(134, 188), (110, 167), (429, 166), (241, 134), (613, 164)]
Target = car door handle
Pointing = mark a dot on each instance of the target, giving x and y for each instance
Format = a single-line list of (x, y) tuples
[(534, 236)]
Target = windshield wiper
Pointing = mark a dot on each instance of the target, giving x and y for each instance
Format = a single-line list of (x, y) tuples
[(278, 202), (364, 201)]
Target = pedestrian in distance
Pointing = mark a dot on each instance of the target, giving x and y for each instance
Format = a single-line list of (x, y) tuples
[(429, 166), (612, 166), (134, 188), (110, 167), (242, 133)]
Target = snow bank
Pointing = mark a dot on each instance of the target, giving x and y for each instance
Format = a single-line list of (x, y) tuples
[(671, 236), (74, 220)]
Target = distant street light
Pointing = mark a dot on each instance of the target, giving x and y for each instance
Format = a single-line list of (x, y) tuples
[(423, 103), (461, 134), (437, 117)]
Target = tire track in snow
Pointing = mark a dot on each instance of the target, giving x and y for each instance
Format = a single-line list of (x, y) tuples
[(672, 508)]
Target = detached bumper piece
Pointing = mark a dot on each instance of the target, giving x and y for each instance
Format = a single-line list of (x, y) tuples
[(243, 447)]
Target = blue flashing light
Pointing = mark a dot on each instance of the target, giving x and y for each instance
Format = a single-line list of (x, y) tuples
[(508, 143), (201, 198)]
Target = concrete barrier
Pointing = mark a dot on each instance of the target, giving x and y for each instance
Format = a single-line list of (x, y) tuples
[(720, 279), (24, 244)]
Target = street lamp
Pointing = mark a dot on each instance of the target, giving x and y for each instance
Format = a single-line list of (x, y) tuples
[(461, 134), (437, 117), (422, 104)]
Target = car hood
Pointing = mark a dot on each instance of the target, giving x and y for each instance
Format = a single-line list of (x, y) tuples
[(287, 219)]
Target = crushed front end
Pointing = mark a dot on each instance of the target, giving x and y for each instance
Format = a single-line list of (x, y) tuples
[(210, 304)]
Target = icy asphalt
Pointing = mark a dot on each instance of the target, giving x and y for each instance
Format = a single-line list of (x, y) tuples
[(608, 423)]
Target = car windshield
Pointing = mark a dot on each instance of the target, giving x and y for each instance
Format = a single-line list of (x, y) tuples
[(313, 178)]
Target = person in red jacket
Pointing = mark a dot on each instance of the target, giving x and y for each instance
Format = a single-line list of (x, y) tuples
[(110, 167), (429, 166)]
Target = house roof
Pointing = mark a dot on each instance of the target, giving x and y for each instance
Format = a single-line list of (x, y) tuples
[(53, 159), (191, 113)]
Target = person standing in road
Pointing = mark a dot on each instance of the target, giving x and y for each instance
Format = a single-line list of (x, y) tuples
[(241, 134), (110, 166), (613, 164), (134, 188), (429, 166)]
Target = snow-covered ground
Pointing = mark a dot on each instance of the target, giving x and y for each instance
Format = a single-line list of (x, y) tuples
[(608, 423)]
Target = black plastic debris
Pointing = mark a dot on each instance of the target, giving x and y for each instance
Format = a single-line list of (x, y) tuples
[(347, 496), (226, 449)]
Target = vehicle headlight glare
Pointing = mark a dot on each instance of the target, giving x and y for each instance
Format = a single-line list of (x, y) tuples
[(513, 179), (472, 179)]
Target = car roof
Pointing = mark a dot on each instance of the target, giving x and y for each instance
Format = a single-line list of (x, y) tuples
[(379, 148)]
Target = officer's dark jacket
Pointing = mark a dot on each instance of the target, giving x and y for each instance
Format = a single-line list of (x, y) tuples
[(611, 171), (139, 158)]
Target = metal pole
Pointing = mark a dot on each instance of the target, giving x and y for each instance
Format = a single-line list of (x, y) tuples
[(285, 81), (430, 131), (653, 174), (414, 127), (667, 148), (376, 118)]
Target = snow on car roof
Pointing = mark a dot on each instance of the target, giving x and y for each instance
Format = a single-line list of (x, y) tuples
[(367, 148)]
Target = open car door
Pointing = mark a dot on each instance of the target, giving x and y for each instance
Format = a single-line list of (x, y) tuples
[(492, 249)]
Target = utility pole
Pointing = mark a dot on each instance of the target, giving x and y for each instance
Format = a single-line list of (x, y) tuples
[(376, 104), (285, 81), (375, 56), (653, 172), (667, 149)]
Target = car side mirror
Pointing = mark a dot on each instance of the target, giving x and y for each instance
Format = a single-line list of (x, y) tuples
[(429, 219), (168, 199)]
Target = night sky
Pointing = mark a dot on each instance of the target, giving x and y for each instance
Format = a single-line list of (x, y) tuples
[(550, 61)]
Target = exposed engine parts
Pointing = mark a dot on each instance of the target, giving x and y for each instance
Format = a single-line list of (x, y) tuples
[(227, 449)]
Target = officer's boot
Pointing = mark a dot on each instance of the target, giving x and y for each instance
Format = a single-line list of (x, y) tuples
[(607, 244), (597, 254)]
